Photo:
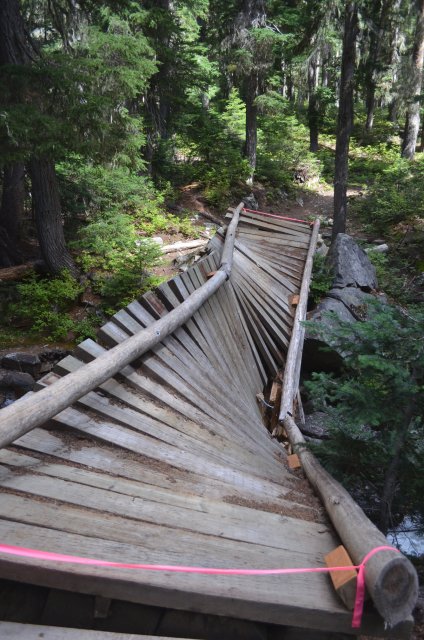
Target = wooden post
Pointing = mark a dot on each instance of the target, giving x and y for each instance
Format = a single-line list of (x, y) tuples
[(34, 409), (292, 369)]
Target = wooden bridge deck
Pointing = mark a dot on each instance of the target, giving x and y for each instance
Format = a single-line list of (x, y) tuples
[(169, 461)]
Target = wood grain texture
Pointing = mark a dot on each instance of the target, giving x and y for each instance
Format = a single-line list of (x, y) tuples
[(165, 459)]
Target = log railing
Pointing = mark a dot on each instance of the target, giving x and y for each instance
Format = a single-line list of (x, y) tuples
[(36, 408), (390, 577)]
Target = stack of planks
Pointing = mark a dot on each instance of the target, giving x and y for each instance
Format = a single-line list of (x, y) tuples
[(168, 462)]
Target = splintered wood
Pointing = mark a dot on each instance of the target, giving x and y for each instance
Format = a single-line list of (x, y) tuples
[(168, 462)]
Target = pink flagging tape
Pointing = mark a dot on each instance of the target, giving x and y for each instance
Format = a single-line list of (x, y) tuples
[(274, 215), (36, 554)]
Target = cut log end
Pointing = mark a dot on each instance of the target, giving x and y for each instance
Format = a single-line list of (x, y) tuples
[(396, 590)]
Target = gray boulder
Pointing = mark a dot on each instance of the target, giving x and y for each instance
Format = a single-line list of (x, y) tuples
[(315, 426), (250, 202), (16, 380), (349, 305), (350, 264), (24, 362)]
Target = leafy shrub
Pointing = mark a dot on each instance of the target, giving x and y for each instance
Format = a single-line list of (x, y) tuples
[(210, 144), (90, 190), (375, 410), (119, 257), (395, 196), (44, 305), (322, 279), (283, 149)]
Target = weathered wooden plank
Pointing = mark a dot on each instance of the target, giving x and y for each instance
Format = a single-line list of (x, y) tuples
[(166, 367), (281, 224), (149, 471), (19, 631), (33, 410), (273, 346), (252, 323), (277, 325), (227, 595), (218, 376), (88, 349), (190, 358), (233, 347), (74, 543), (284, 282), (139, 443), (192, 330), (170, 495), (227, 521)]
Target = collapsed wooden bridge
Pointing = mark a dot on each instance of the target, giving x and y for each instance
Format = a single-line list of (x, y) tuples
[(148, 446)]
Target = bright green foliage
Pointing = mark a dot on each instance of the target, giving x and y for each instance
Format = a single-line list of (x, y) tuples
[(211, 141), (322, 278), (78, 100), (92, 190), (119, 257), (44, 304), (396, 195), (375, 410), (283, 144)]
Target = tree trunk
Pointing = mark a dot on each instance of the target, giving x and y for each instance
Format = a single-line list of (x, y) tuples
[(345, 118), (251, 16), (48, 217), (158, 95), (394, 59), (251, 127), (313, 107), (12, 202), (379, 15), (370, 105), (15, 49), (412, 124)]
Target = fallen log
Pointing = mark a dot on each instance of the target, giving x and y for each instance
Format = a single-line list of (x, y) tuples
[(181, 246), (17, 272)]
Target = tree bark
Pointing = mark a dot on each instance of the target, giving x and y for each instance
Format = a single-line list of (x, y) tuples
[(345, 118), (15, 48), (12, 202), (48, 217), (313, 107), (394, 59), (158, 95), (251, 126), (379, 15), (412, 124)]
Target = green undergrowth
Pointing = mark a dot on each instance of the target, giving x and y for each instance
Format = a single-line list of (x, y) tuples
[(42, 308)]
